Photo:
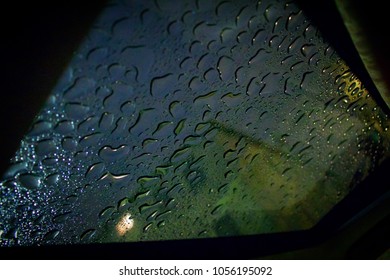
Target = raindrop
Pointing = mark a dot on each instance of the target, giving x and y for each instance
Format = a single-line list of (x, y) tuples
[(141, 58), (15, 168), (308, 50), (204, 96), (69, 144), (95, 171), (260, 36), (106, 212), (87, 235), (163, 214), (111, 154), (232, 100), (120, 94), (142, 195), (149, 142), (161, 86), (294, 45), (146, 179), (97, 54), (88, 125), (162, 126), (223, 7), (30, 181), (226, 68), (40, 128), (147, 207), (106, 121), (226, 34), (196, 84), (145, 117), (61, 218), (76, 111), (52, 179), (111, 177), (179, 127), (293, 21), (116, 71), (51, 235), (217, 210), (300, 118), (261, 56), (91, 139), (82, 86), (123, 202), (45, 147), (174, 28), (147, 227), (161, 224), (193, 140), (305, 80), (211, 74), (180, 154), (64, 127)]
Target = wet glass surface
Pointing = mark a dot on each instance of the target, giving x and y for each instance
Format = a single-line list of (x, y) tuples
[(191, 119)]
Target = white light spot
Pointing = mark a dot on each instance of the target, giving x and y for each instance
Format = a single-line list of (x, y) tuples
[(125, 224)]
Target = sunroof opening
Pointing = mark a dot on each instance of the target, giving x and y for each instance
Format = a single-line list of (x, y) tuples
[(193, 119)]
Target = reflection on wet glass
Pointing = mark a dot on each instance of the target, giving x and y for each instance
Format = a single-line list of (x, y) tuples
[(190, 119)]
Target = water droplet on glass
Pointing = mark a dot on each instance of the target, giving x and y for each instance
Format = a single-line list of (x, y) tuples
[(51, 235), (69, 144), (111, 154), (64, 127), (106, 212), (76, 111), (45, 147), (81, 86), (88, 235), (15, 168), (161, 86), (52, 179), (30, 181), (95, 171), (61, 218), (40, 128)]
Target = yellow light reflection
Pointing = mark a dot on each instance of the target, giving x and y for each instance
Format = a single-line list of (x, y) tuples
[(125, 224)]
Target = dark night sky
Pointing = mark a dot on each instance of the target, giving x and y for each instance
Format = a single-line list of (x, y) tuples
[(37, 41)]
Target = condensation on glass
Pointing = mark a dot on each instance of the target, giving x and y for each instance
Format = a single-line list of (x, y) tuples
[(191, 119)]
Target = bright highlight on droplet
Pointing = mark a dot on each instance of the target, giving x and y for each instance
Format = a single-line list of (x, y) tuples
[(125, 224)]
